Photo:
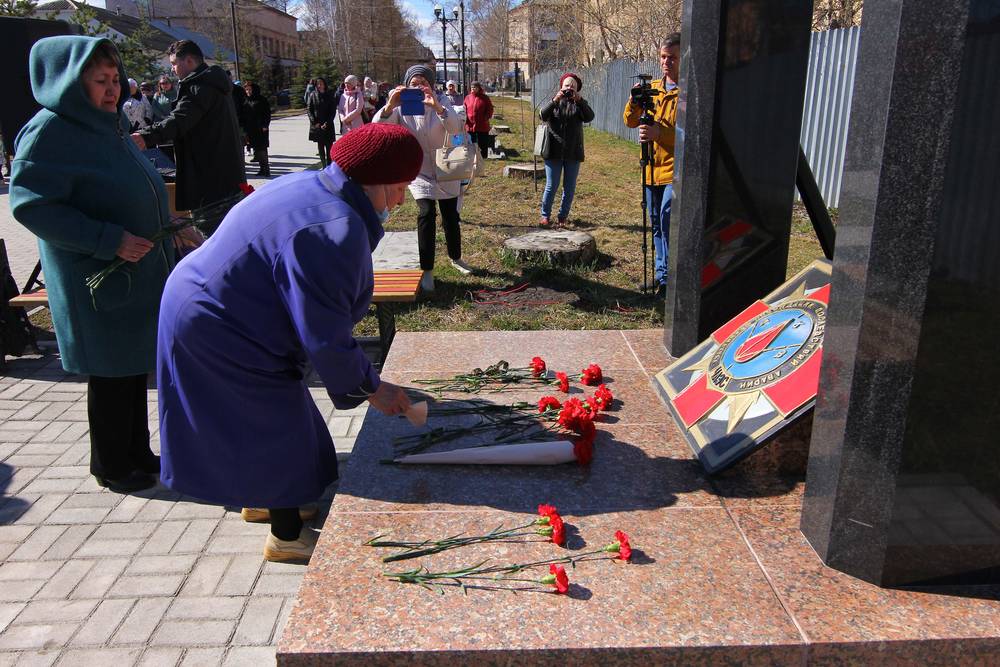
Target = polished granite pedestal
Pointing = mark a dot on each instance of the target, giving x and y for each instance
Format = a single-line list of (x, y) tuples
[(722, 574)]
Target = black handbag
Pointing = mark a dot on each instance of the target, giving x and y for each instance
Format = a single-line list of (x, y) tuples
[(315, 133)]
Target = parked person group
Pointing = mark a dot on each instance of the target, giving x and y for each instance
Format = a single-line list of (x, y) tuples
[(562, 148)]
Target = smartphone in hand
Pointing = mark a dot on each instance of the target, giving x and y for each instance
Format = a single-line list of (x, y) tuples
[(411, 102)]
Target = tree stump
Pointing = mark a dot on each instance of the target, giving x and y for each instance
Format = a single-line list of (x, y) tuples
[(502, 129), (523, 171), (557, 247)]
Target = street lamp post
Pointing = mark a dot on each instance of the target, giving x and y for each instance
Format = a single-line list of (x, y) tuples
[(444, 20)]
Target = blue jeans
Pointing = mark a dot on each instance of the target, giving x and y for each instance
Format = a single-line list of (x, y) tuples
[(569, 170), (658, 200)]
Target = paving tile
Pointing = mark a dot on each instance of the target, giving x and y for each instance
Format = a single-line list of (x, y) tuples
[(55, 612), (146, 586), (29, 410), (256, 626), (18, 479), (236, 544), (9, 658), (65, 581), (53, 485), (53, 429), (191, 510), (196, 536), (160, 657), (65, 472), (53, 413), (286, 611), (162, 564), (94, 548), (241, 575), (19, 591), (124, 531), (41, 508), (99, 500), (127, 509), (40, 540), (69, 542), (278, 584), (103, 623), (65, 516), (28, 570), (36, 636), (193, 633), (246, 656), (203, 657), (88, 657), (8, 612), (41, 448), (141, 622), (218, 608), (164, 537), (205, 576), (100, 579), (15, 533), (78, 429)]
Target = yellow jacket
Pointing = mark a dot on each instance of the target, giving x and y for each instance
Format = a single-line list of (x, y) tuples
[(665, 113)]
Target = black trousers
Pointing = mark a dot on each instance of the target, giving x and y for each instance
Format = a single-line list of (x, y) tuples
[(426, 231), (262, 161), (119, 425), (481, 139), (324, 151), (286, 524)]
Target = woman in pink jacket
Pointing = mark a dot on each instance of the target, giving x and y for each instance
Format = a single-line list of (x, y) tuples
[(478, 111), (351, 105)]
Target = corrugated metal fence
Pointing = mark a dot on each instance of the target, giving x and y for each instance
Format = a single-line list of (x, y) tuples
[(829, 85)]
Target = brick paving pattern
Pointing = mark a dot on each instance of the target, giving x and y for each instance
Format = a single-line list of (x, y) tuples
[(89, 577)]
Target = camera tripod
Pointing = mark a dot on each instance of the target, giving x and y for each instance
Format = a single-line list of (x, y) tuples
[(645, 161)]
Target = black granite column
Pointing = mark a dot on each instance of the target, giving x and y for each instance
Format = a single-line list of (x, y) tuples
[(742, 81), (903, 482)]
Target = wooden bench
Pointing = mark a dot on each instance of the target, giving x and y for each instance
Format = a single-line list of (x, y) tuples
[(391, 286)]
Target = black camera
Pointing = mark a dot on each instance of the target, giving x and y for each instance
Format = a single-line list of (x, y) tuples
[(644, 95), (567, 93)]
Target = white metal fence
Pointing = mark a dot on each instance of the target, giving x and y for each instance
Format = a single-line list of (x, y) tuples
[(829, 86)]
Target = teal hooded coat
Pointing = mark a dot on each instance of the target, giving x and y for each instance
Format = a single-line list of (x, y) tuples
[(78, 183)]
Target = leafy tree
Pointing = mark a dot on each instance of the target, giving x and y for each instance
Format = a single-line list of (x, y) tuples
[(306, 71), (142, 63), (17, 7)]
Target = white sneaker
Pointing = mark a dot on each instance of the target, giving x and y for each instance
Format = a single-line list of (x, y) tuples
[(427, 281), (461, 267), (284, 551)]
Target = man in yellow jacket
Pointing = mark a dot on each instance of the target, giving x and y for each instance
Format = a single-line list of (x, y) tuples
[(660, 135)]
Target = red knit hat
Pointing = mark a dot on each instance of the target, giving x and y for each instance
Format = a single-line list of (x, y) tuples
[(567, 75), (378, 153)]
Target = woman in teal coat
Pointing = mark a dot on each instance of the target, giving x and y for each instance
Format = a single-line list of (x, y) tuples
[(80, 185)]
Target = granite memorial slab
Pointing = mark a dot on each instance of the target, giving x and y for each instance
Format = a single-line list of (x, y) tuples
[(903, 484), (742, 85), (723, 576)]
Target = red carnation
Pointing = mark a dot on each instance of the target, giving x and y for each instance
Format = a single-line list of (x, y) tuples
[(246, 188), (624, 549), (547, 512), (591, 407), (570, 415), (603, 397), (591, 375), (558, 578), (558, 529), (583, 446), (537, 366), (547, 402), (563, 382)]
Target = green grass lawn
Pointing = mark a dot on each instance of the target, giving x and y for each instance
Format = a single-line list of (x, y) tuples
[(606, 206)]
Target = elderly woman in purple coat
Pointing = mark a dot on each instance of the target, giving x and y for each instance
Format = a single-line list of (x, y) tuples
[(277, 288)]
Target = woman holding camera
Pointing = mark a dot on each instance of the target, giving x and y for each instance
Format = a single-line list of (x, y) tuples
[(562, 149), (437, 121)]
